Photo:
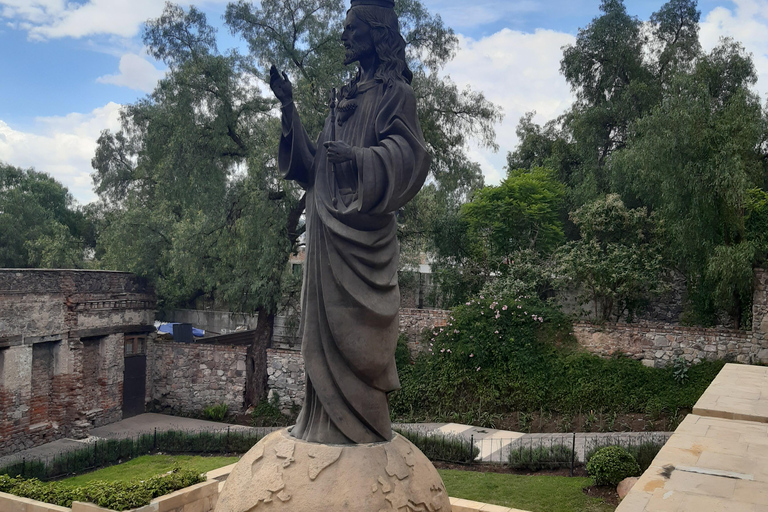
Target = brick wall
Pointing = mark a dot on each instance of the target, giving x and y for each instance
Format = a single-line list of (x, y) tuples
[(188, 377), (53, 383)]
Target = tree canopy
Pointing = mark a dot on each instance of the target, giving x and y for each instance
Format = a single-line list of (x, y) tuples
[(40, 225)]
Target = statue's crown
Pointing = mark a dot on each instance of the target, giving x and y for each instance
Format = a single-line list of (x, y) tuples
[(390, 4)]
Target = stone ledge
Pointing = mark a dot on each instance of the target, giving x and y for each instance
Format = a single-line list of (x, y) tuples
[(462, 505)]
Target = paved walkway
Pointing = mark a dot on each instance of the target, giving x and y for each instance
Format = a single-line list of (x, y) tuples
[(495, 445)]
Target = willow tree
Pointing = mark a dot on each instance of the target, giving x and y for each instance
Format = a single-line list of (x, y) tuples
[(189, 183)]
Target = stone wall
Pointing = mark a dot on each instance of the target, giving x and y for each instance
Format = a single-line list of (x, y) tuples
[(414, 321), (285, 377), (657, 344), (188, 377), (61, 350)]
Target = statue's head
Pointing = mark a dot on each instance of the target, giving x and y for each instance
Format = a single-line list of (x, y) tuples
[(371, 28)]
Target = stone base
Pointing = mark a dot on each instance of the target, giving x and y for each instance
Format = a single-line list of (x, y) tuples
[(287, 474)]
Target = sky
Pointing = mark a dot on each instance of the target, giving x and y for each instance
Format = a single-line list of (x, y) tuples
[(67, 67)]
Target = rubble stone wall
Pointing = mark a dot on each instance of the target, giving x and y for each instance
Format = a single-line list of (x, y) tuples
[(414, 321), (657, 344), (188, 377), (285, 377)]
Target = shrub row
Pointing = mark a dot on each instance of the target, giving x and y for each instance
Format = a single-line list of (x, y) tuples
[(112, 495), (442, 448), (113, 451)]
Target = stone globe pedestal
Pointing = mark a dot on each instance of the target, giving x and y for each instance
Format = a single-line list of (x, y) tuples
[(281, 473)]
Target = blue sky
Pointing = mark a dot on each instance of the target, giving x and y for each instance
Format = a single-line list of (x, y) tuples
[(68, 66)]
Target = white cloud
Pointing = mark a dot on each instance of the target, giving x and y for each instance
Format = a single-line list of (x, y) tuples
[(51, 19), (62, 146), (461, 14), (135, 73), (518, 71), (746, 23)]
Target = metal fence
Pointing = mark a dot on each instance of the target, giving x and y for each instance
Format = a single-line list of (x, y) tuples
[(106, 452), (531, 452)]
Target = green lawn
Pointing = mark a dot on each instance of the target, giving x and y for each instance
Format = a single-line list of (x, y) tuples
[(150, 465), (533, 493)]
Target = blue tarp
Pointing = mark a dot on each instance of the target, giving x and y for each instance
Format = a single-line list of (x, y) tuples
[(168, 328)]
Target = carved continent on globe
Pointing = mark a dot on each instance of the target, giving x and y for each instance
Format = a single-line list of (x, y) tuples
[(284, 473)]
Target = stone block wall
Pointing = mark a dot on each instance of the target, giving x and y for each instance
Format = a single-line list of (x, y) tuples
[(188, 377), (285, 377), (658, 345), (61, 350), (414, 321)]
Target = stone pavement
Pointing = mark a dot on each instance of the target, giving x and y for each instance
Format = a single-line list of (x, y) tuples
[(717, 459)]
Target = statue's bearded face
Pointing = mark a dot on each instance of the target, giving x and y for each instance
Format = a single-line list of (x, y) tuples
[(357, 38)]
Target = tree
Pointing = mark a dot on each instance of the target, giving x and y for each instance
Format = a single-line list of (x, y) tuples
[(618, 260), (193, 199), (519, 215), (693, 160), (40, 226), (619, 69)]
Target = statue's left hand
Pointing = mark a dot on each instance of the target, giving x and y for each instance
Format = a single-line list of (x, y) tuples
[(338, 151)]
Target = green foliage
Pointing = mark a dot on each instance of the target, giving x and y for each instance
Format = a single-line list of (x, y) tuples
[(216, 412), (694, 159), (518, 217), (40, 225), (441, 447), (112, 495), (505, 360), (643, 449), (680, 370), (543, 456), (611, 465), (402, 354), (113, 451), (267, 413), (618, 261)]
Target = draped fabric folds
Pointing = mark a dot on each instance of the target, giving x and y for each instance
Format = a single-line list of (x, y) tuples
[(350, 298)]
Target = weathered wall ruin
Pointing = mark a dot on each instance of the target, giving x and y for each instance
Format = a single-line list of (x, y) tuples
[(61, 350)]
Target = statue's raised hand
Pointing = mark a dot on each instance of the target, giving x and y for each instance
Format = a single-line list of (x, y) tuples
[(280, 86)]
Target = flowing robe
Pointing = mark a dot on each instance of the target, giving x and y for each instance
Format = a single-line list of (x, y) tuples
[(350, 298)]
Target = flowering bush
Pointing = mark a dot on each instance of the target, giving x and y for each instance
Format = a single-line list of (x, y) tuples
[(498, 355), (489, 330)]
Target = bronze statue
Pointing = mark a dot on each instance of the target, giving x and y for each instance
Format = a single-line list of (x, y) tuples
[(369, 160)]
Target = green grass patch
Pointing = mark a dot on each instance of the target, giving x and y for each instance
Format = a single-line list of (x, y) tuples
[(148, 466), (533, 493)]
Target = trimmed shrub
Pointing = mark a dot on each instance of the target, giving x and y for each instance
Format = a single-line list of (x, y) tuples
[(535, 458), (442, 448), (611, 465), (113, 495)]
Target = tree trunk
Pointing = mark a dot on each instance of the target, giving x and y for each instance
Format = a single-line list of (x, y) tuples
[(256, 360)]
